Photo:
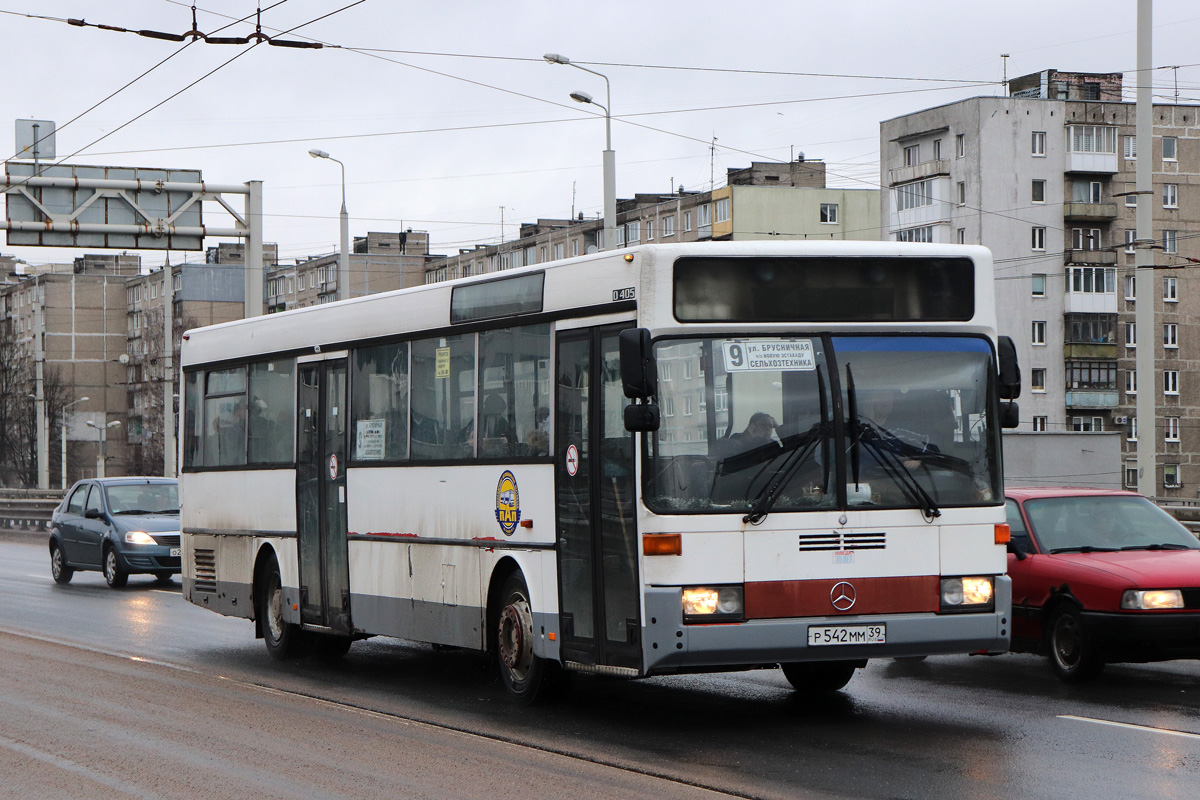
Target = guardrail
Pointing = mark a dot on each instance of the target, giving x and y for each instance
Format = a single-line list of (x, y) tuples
[(27, 509)]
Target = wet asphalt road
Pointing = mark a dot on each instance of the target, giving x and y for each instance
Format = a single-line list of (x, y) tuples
[(949, 727)]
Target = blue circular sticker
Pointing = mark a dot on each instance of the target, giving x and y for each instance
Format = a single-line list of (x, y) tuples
[(508, 503)]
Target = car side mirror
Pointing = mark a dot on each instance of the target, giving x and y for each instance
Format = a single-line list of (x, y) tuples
[(93, 513), (1016, 550)]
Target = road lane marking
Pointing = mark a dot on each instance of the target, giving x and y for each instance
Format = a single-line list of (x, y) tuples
[(1149, 728), (66, 765)]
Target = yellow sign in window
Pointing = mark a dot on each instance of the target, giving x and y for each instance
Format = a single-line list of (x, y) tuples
[(442, 365)]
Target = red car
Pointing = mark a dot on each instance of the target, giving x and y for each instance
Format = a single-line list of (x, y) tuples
[(1098, 577)]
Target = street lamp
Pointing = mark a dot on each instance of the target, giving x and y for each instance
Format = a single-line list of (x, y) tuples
[(610, 158), (63, 435), (116, 423), (344, 255)]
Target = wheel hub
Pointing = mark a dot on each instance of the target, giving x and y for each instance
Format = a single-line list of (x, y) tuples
[(516, 632)]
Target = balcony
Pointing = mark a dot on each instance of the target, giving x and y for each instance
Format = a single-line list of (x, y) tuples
[(1090, 351), (1092, 398), (1089, 212), (926, 169), (1104, 258), (1092, 162)]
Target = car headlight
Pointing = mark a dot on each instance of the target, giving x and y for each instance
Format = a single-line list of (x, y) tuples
[(967, 594), (713, 604), (1152, 598), (139, 537)]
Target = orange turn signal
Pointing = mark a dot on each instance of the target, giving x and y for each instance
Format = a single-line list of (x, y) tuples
[(662, 544), (1003, 533), (526, 523)]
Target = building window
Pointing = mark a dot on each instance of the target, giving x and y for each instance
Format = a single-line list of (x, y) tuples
[(1131, 474), (1131, 382), (1131, 335), (912, 155), (1086, 191), (1171, 381), (721, 210), (1039, 285), (633, 232), (937, 149), (1171, 242), (1130, 287), (1170, 195), (1039, 143), (1092, 139), (922, 234), (1171, 429), (1171, 336), (574, 247), (1130, 147), (704, 216), (962, 193), (1037, 379), (1130, 238), (1169, 148), (649, 230), (1039, 332), (1091, 328), (1092, 280), (960, 145), (1086, 239), (1087, 424), (914, 195), (687, 221), (1092, 375), (1170, 290), (961, 236), (1132, 437), (829, 213), (668, 225), (1039, 191), (1039, 238), (1039, 424), (1171, 476)]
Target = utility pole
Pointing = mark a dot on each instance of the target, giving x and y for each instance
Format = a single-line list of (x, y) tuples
[(254, 250), (1147, 436), (168, 436), (39, 356)]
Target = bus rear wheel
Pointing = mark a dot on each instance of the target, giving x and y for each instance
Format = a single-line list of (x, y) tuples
[(283, 639), (819, 677), (520, 670)]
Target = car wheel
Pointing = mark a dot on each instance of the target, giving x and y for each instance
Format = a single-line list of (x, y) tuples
[(520, 670), (1073, 655), (163, 578), (114, 575), (283, 639), (58, 565), (819, 677)]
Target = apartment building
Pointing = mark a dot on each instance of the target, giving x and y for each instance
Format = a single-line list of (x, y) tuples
[(766, 200), (1045, 178)]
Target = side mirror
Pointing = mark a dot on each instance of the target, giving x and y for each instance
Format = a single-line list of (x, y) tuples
[(1009, 375), (1016, 550), (642, 417), (639, 373), (1010, 415), (93, 513)]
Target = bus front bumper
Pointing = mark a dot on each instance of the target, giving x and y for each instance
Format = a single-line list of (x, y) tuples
[(671, 646)]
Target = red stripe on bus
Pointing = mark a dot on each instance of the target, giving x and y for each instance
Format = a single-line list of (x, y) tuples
[(778, 599)]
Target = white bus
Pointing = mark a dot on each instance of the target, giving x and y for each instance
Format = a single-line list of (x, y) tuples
[(808, 475)]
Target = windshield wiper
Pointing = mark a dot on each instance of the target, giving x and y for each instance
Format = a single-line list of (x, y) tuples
[(873, 438), (134, 511), (802, 447), (1087, 548), (1157, 546)]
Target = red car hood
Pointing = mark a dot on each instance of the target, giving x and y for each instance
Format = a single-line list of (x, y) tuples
[(1150, 569)]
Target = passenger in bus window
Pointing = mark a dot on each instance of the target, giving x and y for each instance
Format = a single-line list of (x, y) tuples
[(498, 438)]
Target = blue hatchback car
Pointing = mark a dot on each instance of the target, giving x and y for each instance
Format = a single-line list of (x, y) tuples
[(119, 526)]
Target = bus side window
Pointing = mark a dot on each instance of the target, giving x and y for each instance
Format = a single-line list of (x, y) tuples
[(443, 398), (514, 382)]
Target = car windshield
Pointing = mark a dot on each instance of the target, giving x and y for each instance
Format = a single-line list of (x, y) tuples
[(143, 498), (1101, 523), (752, 424)]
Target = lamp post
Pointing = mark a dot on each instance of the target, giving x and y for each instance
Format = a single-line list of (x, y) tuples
[(344, 254), (116, 423), (63, 435), (610, 158)]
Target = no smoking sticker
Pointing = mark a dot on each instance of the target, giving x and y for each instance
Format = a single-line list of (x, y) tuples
[(572, 460)]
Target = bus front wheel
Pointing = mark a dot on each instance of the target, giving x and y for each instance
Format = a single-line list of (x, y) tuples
[(283, 639), (520, 670), (819, 677)]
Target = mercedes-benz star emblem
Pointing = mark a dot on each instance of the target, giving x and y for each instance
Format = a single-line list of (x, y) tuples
[(842, 595)]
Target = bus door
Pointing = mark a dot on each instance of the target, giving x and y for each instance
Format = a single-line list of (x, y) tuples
[(599, 588), (321, 448)]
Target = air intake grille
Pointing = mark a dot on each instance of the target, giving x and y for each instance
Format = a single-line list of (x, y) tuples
[(166, 539), (1191, 599), (205, 571), (839, 540)]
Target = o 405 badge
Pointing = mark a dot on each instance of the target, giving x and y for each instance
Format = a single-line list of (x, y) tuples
[(508, 503)]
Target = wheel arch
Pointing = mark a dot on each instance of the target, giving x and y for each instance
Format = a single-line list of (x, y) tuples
[(501, 572)]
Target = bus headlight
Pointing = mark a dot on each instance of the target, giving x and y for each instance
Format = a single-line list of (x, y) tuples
[(1152, 598), (713, 604), (967, 594)]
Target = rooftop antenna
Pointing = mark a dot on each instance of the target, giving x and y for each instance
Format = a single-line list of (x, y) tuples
[(573, 199), (502, 224), (712, 157), (1004, 60)]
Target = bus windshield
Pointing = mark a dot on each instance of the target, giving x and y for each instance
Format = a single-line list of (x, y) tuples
[(804, 423)]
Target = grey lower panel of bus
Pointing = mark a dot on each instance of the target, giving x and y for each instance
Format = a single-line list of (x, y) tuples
[(230, 599), (669, 645)]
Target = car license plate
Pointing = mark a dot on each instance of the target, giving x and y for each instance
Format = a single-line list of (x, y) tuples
[(176, 551), (821, 635)]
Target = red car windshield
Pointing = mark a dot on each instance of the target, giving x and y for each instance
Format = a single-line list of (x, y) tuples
[(1104, 523)]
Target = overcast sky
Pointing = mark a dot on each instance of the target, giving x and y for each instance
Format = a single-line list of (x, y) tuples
[(444, 112)]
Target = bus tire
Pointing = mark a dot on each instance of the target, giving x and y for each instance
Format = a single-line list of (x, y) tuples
[(283, 639), (520, 670), (819, 677)]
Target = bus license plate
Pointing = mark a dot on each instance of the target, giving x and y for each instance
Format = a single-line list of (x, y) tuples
[(176, 551), (820, 635)]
